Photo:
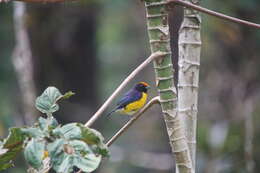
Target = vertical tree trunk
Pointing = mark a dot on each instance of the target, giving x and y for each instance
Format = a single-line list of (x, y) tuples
[(189, 61), (22, 60), (158, 30)]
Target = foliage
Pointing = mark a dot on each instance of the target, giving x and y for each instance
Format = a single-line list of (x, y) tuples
[(48, 144), (47, 102)]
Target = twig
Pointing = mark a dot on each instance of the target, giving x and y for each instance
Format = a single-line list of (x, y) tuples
[(121, 86), (133, 119), (213, 13)]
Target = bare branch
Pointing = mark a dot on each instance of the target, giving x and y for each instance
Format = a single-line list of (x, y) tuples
[(122, 85), (213, 13), (179, 2), (155, 100)]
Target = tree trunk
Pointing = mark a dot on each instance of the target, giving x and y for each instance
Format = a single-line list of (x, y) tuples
[(22, 61), (189, 62), (158, 30)]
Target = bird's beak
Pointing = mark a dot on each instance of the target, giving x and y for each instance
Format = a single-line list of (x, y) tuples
[(148, 87)]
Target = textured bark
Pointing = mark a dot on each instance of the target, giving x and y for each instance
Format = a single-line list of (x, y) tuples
[(22, 60), (189, 61), (158, 30)]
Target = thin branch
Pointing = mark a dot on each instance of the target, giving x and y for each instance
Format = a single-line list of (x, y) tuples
[(179, 2), (155, 100), (122, 85), (213, 13)]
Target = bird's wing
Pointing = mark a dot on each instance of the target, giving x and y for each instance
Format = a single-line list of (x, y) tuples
[(129, 97)]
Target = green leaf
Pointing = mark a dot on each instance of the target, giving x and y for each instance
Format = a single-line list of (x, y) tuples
[(68, 95), (44, 168), (46, 124), (69, 131), (94, 138), (101, 149), (79, 131), (91, 136), (32, 132), (56, 147), (84, 158), (34, 153), (59, 159), (10, 147), (14, 138), (56, 152), (66, 164), (46, 103), (67, 154), (88, 163), (6, 166)]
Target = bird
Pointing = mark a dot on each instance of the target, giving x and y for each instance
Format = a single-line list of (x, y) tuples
[(133, 100)]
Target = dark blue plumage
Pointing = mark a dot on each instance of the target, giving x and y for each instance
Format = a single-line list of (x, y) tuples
[(129, 97), (135, 95)]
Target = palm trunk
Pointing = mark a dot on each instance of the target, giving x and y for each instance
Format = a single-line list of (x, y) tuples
[(189, 61), (158, 30)]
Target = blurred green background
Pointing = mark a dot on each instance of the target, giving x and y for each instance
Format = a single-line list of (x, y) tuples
[(89, 47)]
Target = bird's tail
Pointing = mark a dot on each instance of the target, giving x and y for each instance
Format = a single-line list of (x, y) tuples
[(110, 113)]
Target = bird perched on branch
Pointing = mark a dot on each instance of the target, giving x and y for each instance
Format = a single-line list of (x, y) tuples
[(133, 100)]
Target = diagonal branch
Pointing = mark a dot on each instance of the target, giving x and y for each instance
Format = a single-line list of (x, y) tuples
[(213, 13), (122, 85), (179, 2), (155, 100)]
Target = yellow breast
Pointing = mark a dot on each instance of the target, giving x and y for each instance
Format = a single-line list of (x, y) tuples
[(132, 108)]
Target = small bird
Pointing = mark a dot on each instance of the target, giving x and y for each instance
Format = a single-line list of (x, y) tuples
[(133, 100)]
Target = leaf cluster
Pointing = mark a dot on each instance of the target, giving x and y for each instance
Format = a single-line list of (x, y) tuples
[(47, 144)]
